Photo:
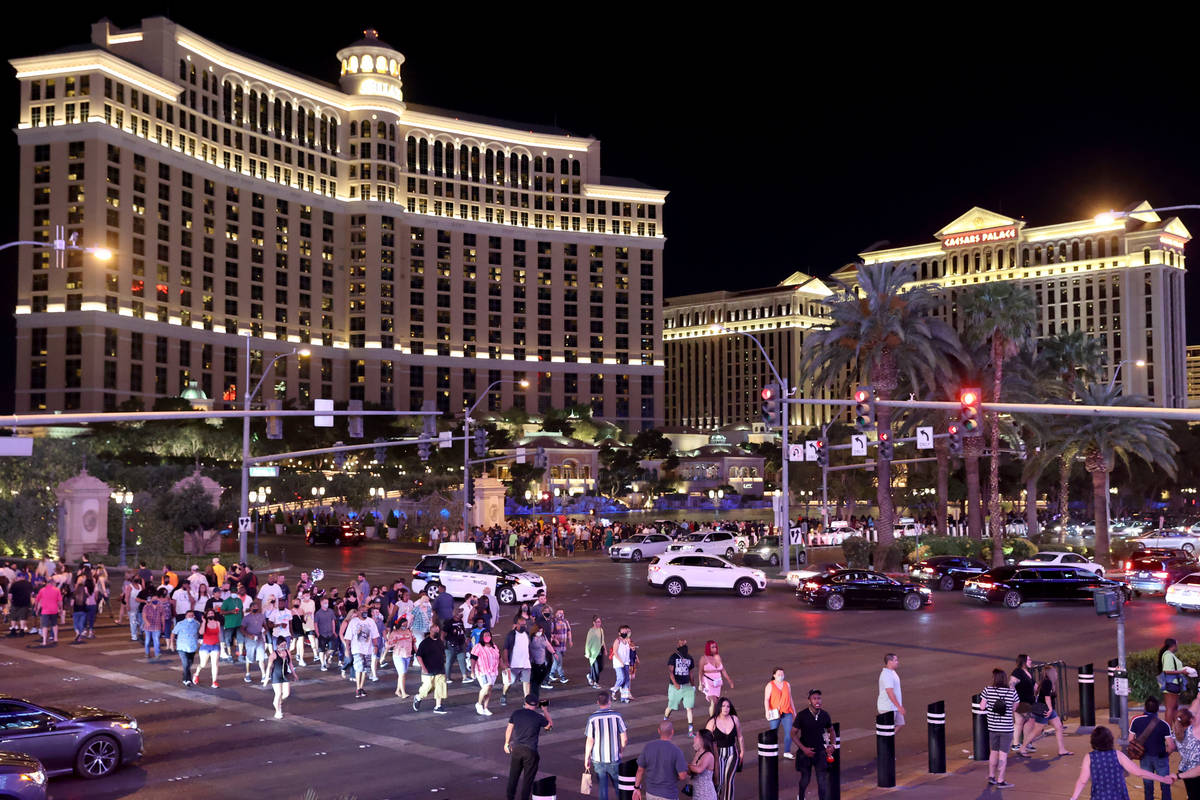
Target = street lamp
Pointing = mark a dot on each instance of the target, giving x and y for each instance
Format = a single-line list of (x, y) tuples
[(126, 500), (716, 496), (303, 353), (467, 444), (61, 244)]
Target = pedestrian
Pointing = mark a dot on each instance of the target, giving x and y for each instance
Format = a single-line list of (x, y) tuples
[(561, 639), (181, 601), (541, 656), (91, 607), (1173, 678), (485, 666), (20, 601), (726, 728), (232, 612), (325, 624), (713, 675), (399, 640), (661, 767), (1155, 740), (521, 743), (593, 651), (998, 702), (185, 640), (680, 690), (813, 729), (1022, 681), (282, 673), (493, 605), (703, 765), (154, 620), (890, 697), (455, 638), (443, 608), (431, 656), (1045, 712), (210, 647), (218, 571), (605, 737), (49, 605), (622, 655), (360, 639), (422, 617), (201, 598), (539, 604), (779, 709), (253, 640), (1187, 742), (515, 662), (1106, 768), (79, 597)]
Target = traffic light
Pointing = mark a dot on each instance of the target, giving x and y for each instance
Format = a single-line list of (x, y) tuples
[(956, 437), (772, 407), (339, 458), (380, 453), (822, 454), (424, 448), (481, 446), (885, 445), (864, 409), (972, 421), (1021, 451), (274, 424), (355, 424), (540, 460)]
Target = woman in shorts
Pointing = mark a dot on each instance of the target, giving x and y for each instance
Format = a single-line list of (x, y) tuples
[(210, 647), (281, 674), (1035, 724), (400, 641), (253, 644), (485, 665)]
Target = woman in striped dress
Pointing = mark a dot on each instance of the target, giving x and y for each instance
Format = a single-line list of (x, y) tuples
[(727, 735)]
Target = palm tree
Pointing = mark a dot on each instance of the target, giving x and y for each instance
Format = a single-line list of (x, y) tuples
[(884, 331), (1103, 440), (1003, 314)]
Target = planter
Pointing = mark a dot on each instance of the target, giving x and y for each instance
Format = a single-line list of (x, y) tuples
[(393, 534), (372, 532), (279, 529)]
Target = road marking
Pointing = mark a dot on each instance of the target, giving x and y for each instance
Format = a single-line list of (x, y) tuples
[(124, 652)]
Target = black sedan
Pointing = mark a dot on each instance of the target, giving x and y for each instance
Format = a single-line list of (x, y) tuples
[(862, 587), (946, 572), (766, 552), (1015, 585), (89, 741), (336, 535)]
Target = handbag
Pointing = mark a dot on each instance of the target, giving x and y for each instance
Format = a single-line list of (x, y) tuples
[(1039, 709), (1023, 707), (585, 784), (1137, 747)]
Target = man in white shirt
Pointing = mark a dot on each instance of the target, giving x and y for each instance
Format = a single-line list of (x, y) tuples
[(269, 591), (890, 698), (181, 598), (434, 532), (361, 633), (194, 579), (515, 665)]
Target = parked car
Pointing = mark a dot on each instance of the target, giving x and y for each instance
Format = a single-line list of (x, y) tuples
[(336, 535), (677, 572), (458, 569), (1062, 558), (1153, 572), (1016, 585), (1169, 540), (796, 577), (22, 777), (89, 741), (768, 551), (946, 572), (640, 546), (837, 590), (722, 542), (1184, 595)]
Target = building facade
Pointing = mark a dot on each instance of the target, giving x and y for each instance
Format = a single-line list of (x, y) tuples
[(420, 254), (1193, 375), (1118, 279)]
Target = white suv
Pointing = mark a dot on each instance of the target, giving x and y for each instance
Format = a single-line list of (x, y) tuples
[(677, 572), (459, 570), (722, 542)]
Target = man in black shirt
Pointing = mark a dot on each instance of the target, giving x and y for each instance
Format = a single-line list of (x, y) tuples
[(20, 600), (810, 729), (431, 655), (521, 742)]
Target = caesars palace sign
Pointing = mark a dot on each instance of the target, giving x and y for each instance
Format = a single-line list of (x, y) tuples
[(988, 236)]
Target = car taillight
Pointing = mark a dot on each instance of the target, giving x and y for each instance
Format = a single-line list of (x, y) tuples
[(1128, 566), (654, 568), (1161, 574), (983, 585)]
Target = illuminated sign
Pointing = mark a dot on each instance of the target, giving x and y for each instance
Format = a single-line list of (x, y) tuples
[(987, 236), (376, 86)]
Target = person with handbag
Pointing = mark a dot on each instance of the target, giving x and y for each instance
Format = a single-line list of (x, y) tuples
[(606, 736), (1150, 744), (1106, 769), (779, 709), (1044, 712), (998, 702), (1022, 681), (1171, 679)]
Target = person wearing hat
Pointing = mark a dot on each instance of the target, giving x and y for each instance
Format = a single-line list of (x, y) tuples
[(195, 578), (521, 743)]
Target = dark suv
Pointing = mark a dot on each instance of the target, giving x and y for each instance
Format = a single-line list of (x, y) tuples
[(1153, 572), (946, 572), (336, 535), (1016, 585)]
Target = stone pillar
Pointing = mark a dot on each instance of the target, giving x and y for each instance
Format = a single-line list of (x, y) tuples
[(83, 527), (489, 503)]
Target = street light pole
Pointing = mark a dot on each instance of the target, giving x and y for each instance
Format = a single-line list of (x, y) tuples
[(467, 446), (1137, 362)]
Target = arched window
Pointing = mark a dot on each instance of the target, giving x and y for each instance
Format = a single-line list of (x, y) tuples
[(474, 163), (301, 123), (524, 172), (489, 163), (324, 133), (464, 160), (1062, 251), (333, 135), (1087, 248), (354, 127), (365, 130), (381, 130), (448, 157), (575, 167), (514, 169), (437, 158), (253, 109), (423, 156), (410, 162), (227, 96), (1074, 251), (537, 164), (498, 174), (264, 112), (1114, 246), (287, 120), (563, 167), (391, 132)]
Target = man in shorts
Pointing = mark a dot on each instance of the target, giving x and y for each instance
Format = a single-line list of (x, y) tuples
[(20, 598), (681, 690), (49, 604), (251, 638), (361, 633)]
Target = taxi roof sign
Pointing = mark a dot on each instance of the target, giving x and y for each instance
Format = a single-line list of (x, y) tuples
[(457, 549)]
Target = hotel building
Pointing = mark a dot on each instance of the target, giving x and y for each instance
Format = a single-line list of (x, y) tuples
[(420, 254), (1120, 280)]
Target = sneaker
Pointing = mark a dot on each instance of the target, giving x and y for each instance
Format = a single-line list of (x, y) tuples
[(479, 709), (416, 704), (216, 685), (991, 781), (324, 668), (547, 686), (467, 680), (562, 679), (278, 715), (374, 678), (503, 700), (487, 712), (789, 756), (1003, 784), (247, 679), (187, 683), (440, 710)]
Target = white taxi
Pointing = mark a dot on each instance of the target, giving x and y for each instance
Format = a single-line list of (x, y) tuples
[(458, 569), (678, 572)]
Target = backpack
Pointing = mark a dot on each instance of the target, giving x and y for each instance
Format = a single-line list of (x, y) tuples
[(999, 706)]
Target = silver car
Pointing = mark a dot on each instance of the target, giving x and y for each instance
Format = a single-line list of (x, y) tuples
[(640, 546), (88, 741), (21, 777)]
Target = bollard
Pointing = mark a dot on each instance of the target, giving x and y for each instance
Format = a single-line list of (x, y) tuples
[(626, 778), (545, 788), (835, 767), (1114, 702), (981, 742), (768, 765), (936, 717), (1087, 697), (885, 749)]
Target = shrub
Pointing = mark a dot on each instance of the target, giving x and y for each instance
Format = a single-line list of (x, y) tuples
[(857, 551), (949, 546), (1143, 666), (1122, 549)]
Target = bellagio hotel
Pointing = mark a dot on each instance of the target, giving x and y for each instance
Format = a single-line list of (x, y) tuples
[(420, 254)]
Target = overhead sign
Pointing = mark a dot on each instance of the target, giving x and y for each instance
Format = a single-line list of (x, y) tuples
[(810, 450), (322, 405), (243, 524), (264, 472), (986, 236), (925, 438), (796, 452), (445, 439), (520, 455), (858, 444), (16, 446)]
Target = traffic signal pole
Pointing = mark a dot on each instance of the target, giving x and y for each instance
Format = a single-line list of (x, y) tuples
[(785, 535)]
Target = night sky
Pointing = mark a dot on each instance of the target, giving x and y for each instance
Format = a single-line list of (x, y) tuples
[(785, 144)]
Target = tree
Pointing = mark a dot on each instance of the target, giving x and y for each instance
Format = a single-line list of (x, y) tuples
[(1001, 313), (651, 443), (885, 331)]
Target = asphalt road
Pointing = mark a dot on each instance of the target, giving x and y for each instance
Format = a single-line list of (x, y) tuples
[(223, 741)]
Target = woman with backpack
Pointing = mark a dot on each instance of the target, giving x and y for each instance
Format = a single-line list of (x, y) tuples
[(998, 702)]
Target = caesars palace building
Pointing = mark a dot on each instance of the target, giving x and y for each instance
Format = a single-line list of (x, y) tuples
[(1120, 280), (420, 254)]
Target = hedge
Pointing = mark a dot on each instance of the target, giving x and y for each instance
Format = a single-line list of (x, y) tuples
[(1143, 666)]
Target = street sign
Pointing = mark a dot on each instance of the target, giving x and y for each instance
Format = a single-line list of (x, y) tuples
[(264, 472), (858, 444), (520, 455), (322, 405), (795, 537), (243, 524), (796, 452), (445, 439), (16, 446), (810, 450), (925, 438), (1121, 687)]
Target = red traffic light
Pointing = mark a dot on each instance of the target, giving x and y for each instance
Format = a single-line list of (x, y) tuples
[(884, 436), (953, 429), (968, 397), (861, 396), (767, 393)]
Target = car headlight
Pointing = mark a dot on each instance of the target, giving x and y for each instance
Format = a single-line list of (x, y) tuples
[(758, 573), (130, 725), (924, 590), (36, 777)]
